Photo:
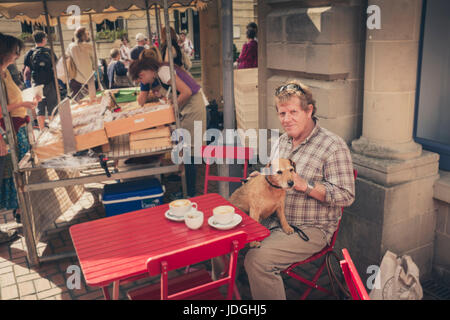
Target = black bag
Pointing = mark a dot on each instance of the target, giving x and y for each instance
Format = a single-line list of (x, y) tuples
[(41, 66)]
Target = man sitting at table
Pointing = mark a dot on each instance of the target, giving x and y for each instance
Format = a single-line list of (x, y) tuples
[(324, 183)]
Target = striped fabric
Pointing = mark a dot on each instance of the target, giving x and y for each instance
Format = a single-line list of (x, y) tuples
[(323, 158)]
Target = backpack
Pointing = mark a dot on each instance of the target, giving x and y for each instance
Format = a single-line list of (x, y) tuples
[(41, 66)]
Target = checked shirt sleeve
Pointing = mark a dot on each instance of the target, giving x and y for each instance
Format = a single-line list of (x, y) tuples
[(338, 177)]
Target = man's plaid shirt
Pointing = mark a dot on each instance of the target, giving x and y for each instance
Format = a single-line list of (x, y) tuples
[(323, 158)]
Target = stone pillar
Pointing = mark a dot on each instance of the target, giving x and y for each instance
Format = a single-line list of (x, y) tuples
[(390, 82), (394, 208), (211, 51)]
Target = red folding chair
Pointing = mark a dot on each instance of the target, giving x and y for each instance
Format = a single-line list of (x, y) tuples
[(328, 249), (225, 152), (354, 283), (196, 285)]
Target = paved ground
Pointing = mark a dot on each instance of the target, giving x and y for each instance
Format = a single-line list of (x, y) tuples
[(48, 282)]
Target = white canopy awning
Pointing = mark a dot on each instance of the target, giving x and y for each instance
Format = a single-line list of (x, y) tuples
[(33, 10)]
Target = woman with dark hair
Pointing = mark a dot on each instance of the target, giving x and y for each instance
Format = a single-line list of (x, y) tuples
[(189, 97), (10, 50), (176, 50), (249, 54)]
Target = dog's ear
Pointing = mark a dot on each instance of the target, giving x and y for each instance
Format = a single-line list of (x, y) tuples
[(293, 164)]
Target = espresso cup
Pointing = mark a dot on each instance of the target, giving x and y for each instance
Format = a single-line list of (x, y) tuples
[(180, 207), (223, 214), (193, 219)]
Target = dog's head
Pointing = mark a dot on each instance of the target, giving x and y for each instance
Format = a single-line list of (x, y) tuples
[(282, 173)]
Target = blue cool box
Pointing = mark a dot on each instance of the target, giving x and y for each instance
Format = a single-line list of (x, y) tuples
[(131, 196)]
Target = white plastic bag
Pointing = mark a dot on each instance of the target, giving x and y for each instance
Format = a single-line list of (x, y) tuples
[(60, 70), (398, 278)]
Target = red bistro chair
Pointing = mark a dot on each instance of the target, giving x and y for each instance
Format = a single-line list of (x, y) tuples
[(328, 249), (225, 152), (354, 283), (195, 285)]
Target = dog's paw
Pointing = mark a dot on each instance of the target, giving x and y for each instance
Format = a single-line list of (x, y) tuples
[(288, 230), (255, 244)]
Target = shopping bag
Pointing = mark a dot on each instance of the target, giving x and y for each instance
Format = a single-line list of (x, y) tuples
[(60, 70), (397, 279)]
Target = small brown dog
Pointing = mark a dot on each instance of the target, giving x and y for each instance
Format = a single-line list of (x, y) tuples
[(264, 194)]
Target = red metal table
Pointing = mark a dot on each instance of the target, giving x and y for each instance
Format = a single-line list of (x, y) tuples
[(117, 248)]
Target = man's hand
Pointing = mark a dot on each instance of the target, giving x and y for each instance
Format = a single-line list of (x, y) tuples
[(300, 184)]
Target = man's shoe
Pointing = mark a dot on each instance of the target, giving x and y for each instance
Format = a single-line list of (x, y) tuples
[(7, 236)]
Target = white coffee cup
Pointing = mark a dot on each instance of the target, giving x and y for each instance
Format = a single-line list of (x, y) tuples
[(193, 219), (180, 207), (223, 214)]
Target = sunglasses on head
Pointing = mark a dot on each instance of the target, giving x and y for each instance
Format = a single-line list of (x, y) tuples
[(290, 86)]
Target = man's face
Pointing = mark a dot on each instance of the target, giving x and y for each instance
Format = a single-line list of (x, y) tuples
[(292, 117), (146, 76)]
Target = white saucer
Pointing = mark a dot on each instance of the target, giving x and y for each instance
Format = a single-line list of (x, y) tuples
[(170, 216), (234, 222)]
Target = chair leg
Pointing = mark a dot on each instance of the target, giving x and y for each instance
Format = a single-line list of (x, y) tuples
[(314, 282)]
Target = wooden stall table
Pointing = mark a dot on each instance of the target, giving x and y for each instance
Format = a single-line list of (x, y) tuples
[(111, 250)]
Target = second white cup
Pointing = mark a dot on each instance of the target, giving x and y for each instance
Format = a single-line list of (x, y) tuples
[(193, 219)]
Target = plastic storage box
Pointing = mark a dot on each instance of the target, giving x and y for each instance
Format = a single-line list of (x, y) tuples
[(131, 196)]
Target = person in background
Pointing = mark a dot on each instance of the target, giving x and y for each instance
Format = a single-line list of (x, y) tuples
[(82, 54), (249, 54), (125, 51), (117, 72), (189, 97), (27, 76), (176, 51), (39, 61), (253, 26), (186, 45), (155, 41), (10, 50), (141, 42), (16, 75)]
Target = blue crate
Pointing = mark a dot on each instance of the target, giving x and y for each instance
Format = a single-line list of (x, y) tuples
[(131, 196)]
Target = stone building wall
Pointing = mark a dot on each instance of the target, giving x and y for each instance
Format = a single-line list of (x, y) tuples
[(323, 47)]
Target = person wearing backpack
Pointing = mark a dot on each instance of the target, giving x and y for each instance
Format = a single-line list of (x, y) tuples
[(39, 61)]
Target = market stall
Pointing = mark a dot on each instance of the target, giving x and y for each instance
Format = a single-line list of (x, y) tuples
[(117, 129)]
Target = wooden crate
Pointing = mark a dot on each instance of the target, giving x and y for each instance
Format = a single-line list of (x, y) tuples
[(150, 143), (83, 142), (151, 138), (246, 98), (158, 132), (139, 122)]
